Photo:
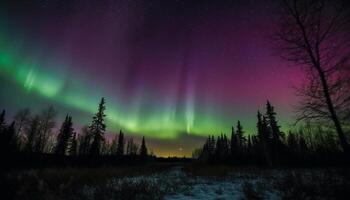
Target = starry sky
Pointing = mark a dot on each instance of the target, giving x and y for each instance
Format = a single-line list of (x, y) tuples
[(174, 71)]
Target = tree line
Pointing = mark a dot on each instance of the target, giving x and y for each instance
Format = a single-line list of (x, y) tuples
[(34, 135), (270, 146)]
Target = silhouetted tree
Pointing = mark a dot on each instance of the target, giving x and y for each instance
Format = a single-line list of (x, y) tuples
[(303, 149), (218, 149), (271, 118), (211, 145), (226, 147), (314, 34), (240, 136), (143, 148), (32, 134), (73, 149), (121, 144), (131, 147), (222, 147), (249, 148), (266, 141), (84, 141), (47, 123), (277, 146), (234, 147), (8, 141), (97, 129), (292, 143), (237, 143), (64, 136), (260, 127), (114, 145), (206, 150), (270, 147), (105, 147), (22, 120)]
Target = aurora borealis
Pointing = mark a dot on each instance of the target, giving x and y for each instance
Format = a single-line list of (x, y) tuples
[(174, 71)]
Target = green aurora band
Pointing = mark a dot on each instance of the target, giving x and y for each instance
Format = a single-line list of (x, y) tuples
[(162, 124)]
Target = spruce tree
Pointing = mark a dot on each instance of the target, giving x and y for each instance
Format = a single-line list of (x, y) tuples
[(266, 131), (205, 150), (271, 117), (121, 144), (74, 145), (98, 128), (240, 136), (264, 134), (234, 143), (249, 146), (128, 146), (143, 148), (131, 148), (212, 145), (278, 148), (266, 141), (218, 149), (64, 137), (105, 147), (114, 145), (226, 148)]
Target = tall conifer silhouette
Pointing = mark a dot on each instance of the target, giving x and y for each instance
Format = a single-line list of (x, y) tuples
[(64, 137), (240, 136), (143, 148), (74, 145), (97, 129), (121, 143), (271, 117)]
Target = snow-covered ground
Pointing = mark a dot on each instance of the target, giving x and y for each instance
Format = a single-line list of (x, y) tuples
[(176, 185), (181, 182)]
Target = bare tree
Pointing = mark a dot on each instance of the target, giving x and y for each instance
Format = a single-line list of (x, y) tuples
[(22, 121), (314, 34), (47, 123)]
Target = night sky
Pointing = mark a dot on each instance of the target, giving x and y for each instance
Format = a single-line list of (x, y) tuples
[(174, 71)]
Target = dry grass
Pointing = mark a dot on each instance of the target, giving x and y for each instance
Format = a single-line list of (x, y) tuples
[(154, 182)]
